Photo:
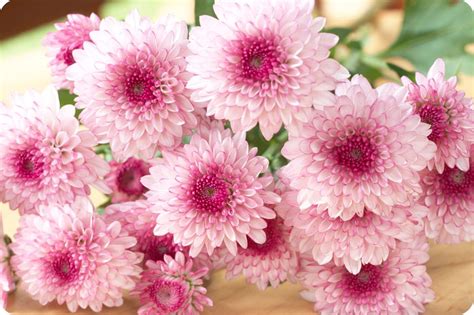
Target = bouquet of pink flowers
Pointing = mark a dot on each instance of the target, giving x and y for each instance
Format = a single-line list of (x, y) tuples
[(242, 145)]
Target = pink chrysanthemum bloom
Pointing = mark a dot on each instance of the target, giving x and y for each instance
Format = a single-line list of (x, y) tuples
[(124, 179), (400, 285), (131, 84), (172, 287), (69, 35), (69, 254), (7, 283), (365, 151), (212, 192), (450, 114), (267, 264), (364, 239), (44, 157), (262, 62), (450, 198)]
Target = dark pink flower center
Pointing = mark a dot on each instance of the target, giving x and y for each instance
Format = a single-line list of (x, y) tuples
[(64, 267), (356, 154), (259, 59), (273, 240), (141, 86), (367, 281), (29, 164), (156, 247), (455, 182), (65, 54), (435, 116), (168, 295), (129, 176), (210, 193)]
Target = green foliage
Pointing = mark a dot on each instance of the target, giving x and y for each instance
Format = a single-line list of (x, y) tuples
[(66, 98), (105, 151), (402, 72), (203, 7), (436, 28)]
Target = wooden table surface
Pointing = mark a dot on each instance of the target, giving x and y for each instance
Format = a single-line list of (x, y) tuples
[(451, 267)]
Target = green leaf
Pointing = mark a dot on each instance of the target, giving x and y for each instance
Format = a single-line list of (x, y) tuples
[(203, 7), (105, 151), (342, 32), (436, 28), (402, 72), (66, 98)]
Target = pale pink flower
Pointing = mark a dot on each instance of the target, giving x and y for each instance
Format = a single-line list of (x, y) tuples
[(363, 239), (44, 156), (267, 264), (262, 62), (365, 151), (60, 44), (211, 193), (124, 179), (400, 285), (7, 283), (450, 114), (130, 83), (450, 198), (172, 287), (70, 254)]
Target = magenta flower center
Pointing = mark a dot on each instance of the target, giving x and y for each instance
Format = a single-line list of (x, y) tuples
[(455, 182), (210, 193), (142, 87), (29, 164), (356, 154), (65, 54), (168, 295), (64, 267), (156, 247), (367, 282), (259, 59), (435, 116), (129, 176), (273, 240)]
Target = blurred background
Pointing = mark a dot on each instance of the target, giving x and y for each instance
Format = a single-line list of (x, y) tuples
[(374, 48)]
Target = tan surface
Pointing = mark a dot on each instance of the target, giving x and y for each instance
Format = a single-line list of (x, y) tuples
[(451, 268)]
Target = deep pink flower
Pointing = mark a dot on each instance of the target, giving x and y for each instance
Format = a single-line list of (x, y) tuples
[(267, 264), (44, 156), (450, 198), (363, 239), (69, 254), (211, 193), (60, 44), (365, 151), (450, 114), (131, 81), (172, 287), (262, 62), (400, 285), (124, 179)]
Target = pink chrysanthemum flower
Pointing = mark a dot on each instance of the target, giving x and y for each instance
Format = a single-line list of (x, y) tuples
[(131, 84), (450, 198), (364, 239), (267, 264), (7, 283), (450, 114), (172, 287), (212, 192), (124, 179), (69, 35), (262, 62), (365, 151), (44, 157), (400, 285), (69, 254)]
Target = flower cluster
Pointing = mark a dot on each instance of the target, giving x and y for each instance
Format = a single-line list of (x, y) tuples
[(165, 128)]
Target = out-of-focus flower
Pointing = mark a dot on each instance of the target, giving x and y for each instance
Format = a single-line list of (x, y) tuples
[(124, 179), (130, 83), (267, 264), (400, 285), (211, 193), (449, 113), (365, 151), (450, 198), (7, 283), (44, 157), (69, 254), (60, 44), (172, 287), (262, 62), (364, 239)]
